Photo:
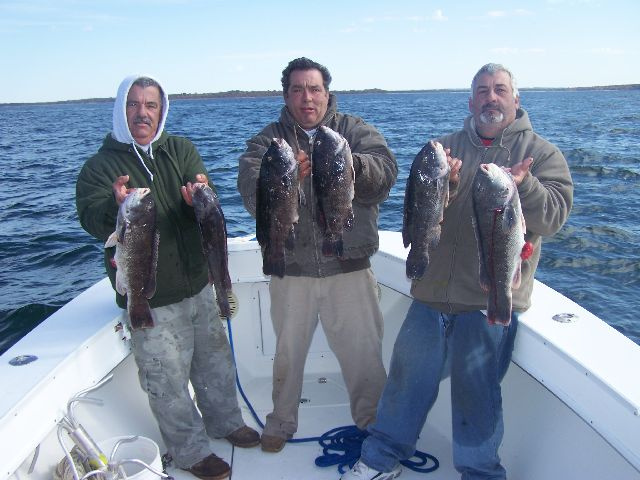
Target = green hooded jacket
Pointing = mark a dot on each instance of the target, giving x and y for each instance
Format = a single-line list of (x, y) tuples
[(182, 269)]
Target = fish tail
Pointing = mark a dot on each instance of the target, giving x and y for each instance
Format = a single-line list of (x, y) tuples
[(140, 315), (416, 264), (333, 247), (499, 313), (273, 264), (223, 303)]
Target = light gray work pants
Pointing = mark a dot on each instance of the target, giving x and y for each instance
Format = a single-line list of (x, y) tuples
[(347, 307), (188, 343)]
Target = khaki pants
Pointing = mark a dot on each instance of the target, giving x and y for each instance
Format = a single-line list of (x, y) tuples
[(347, 307)]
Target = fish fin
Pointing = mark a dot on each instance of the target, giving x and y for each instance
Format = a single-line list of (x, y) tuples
[(289, 242), (120, 285), (302, 199), (320, 218), (112, 240), (409, 206), (140, 315), (150, 286), (510, 218), (262, 216), (447, 195), (517, 278), (406, 237), (483, 275), (348, 223)]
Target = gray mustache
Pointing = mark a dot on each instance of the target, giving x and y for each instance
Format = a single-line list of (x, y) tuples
[(144, 120)]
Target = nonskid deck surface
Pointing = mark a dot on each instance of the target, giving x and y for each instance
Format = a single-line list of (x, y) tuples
[(325, 407)]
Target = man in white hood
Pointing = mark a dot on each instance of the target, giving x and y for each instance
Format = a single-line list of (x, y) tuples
[(186, 342)]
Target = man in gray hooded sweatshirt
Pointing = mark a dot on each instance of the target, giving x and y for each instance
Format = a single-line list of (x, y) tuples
[(187, 341)]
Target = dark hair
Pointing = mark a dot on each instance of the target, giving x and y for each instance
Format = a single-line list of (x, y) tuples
[(145, 82), (304, 63)]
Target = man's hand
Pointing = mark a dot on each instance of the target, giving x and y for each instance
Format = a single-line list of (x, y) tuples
[(304, 165), (454, 164), (520, 170), (187, 190), (120, 190)]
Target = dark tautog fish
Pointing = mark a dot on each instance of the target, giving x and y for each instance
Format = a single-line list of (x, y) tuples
[(136, 240), (425, 198), (277, 202), (500, 229), (333, 183), (213, 234)]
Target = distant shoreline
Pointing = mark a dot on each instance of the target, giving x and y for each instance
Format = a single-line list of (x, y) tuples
[(277, 93)]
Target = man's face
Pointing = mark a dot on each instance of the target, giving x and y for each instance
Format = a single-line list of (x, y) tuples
[(306, 98), (492, 104), (144, 108)]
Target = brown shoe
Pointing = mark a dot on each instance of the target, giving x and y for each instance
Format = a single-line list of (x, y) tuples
[(244, 437), (270, 443), (210, 468)]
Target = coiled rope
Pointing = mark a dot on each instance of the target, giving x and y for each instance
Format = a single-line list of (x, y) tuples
[(341, 446)]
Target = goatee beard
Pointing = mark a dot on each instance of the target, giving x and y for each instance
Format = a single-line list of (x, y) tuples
[(490, 117)]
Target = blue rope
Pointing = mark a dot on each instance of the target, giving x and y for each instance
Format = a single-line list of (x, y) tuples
[(341, 446)]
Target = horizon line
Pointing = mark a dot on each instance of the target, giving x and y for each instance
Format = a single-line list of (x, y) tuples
[(274, 93)]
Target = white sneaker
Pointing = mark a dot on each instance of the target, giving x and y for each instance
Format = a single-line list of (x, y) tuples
[(361, 471)]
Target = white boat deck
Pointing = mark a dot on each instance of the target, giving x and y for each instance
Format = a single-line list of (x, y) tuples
[(571, 397)]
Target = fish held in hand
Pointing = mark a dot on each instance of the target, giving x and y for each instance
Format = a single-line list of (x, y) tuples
[(500, 228), (136, 239), (213, 236), (334, 186), (277, 203), (425, 198)]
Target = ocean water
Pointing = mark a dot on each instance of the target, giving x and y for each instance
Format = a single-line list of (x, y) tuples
[(46, 258)]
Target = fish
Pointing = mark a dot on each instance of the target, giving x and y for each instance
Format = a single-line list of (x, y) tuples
[(213, 236), (425, 198), (136, 240), (334, 185), (277, 205), (500, 233)]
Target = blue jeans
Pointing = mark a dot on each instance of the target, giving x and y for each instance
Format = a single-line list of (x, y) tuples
[(479, 355)]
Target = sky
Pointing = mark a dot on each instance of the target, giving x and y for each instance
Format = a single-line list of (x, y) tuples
[(74, 49)]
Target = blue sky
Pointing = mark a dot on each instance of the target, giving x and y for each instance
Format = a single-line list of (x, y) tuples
[(73, 49)]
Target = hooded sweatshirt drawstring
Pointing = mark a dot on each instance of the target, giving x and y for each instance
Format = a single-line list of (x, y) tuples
[(121, 130)]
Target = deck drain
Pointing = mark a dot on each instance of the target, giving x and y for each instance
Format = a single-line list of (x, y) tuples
[(22, 360), (565, 317)]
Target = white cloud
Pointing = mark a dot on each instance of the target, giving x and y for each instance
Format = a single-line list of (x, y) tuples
[(607, 51), (505, 50), (438, 16), (519, 12)]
